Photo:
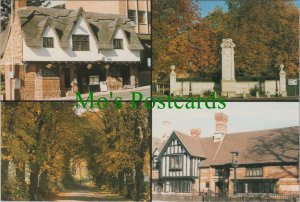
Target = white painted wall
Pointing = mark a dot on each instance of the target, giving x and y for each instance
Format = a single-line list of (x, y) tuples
[(197, 87), (59, 54), (245, 86), (121, 54)]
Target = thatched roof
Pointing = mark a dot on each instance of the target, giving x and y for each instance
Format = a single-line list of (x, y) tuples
[(35, 20)]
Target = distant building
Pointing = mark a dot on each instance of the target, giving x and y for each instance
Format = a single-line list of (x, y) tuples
[(267, 161)]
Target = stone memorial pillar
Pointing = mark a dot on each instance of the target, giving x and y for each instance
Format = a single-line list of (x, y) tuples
[(228, 82), (282, 82), (173, 80)]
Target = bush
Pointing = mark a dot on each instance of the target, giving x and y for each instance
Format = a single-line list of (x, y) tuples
[(254, 90), (207, 93), (12, 191)]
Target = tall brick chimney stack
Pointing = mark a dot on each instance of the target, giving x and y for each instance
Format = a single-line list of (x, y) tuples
[(221, 122), (195, 132), (166, 130), (20, 4), (221, 126)]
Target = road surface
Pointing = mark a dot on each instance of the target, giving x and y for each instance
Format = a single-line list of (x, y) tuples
[(88, 195)]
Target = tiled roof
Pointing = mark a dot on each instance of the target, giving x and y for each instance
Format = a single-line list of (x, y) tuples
[(192, 144), (264, 146), (34, 20), (254, 147)]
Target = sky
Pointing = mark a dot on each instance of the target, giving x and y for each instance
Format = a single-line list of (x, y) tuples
[(242, 116), (208, 5)]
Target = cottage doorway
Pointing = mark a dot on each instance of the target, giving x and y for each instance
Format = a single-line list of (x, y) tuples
[(221, 187), (125, 71), (67, 77), (89, 78)]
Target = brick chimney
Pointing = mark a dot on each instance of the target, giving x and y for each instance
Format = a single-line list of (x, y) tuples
[(221, 122), (20, 4), (195, 132), (221, 126), (166, 130)]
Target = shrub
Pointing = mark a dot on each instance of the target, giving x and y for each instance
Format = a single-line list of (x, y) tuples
[(12, 191), (207, 93), (254, 90)]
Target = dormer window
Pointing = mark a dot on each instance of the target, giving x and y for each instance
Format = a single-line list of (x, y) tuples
[(81, 42), (48, 42), (118, 43)]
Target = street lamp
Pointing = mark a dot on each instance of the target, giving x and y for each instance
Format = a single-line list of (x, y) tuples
[(190, 70), (234, 165)]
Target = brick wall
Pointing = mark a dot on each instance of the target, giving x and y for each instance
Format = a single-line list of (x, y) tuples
[(47, 87), (29, 82)]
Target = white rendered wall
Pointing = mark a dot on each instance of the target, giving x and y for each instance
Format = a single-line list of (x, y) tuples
[(197, 87), (245, 86), (59, 54)]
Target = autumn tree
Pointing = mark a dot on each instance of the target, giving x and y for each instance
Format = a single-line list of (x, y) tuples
[(119, 141), (39, 135), (266, 34), (171, 19)]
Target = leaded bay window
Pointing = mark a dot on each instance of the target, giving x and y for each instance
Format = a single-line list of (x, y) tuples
[(256, 186), (47, 70), (176, 162), (254, 171), (80, 42), (180, 186)]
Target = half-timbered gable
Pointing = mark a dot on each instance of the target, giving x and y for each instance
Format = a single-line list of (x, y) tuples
[(178, 162)]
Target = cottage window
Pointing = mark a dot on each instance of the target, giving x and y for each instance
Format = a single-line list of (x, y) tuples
[(176, 162), (48, 42), (132, 15), (48, 72), (81, 42), (254, 171), (118, 43), (142, 17)]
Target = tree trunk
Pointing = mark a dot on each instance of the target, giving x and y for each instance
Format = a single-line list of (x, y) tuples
[(139, 181), (43, 182), (129, 184), (4, 167), (34, 177), (20, 174), (4, 171), (120, 181)]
